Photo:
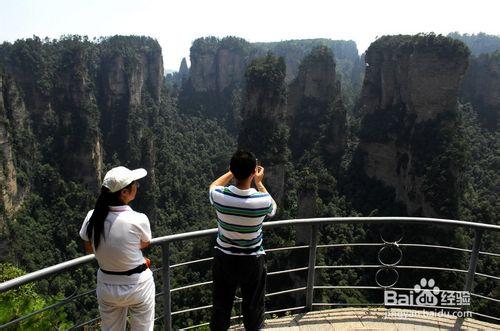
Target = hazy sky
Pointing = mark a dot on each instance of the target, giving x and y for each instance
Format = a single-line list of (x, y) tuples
[(175, 23)]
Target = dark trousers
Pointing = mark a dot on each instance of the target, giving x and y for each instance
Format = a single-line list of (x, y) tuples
[(229, 272)]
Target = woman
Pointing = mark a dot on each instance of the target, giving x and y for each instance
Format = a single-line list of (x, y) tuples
[(117, 234)]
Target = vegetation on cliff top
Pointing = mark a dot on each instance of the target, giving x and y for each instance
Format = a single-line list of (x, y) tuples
[(268, 75), (432, 43)]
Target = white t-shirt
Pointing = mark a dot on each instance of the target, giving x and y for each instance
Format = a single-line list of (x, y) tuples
[(119, 249)]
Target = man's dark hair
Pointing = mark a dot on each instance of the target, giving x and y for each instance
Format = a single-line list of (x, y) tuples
[(242, 164)]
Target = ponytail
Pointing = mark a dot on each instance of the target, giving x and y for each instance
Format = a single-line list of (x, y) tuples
[(105, 199)]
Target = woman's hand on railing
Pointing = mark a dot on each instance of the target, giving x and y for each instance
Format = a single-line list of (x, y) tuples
[(88, 247)]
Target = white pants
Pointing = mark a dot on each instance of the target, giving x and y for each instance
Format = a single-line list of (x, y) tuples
[(115, 300)]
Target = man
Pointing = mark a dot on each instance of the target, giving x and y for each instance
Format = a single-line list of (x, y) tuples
[(239, 258)]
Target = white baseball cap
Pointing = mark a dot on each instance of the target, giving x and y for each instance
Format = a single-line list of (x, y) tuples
[(119, 177)]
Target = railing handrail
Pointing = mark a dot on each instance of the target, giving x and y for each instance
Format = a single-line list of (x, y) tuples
[(378, 220), (43, 273), (337, 220)]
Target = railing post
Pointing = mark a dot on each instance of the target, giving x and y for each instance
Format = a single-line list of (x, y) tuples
[(311, 267), (469, 280), (473, 260), (167, 312)]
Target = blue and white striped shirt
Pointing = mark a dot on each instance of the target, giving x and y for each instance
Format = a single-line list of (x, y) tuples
[(240, 214)]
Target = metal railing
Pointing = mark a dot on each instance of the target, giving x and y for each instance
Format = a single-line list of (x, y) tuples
[(166, 241)]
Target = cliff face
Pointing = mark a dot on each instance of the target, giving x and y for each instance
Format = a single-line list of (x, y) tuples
[(218, 67), (183, 73), (73, 103), (8, 182), (311, 113), (66, 103), (216, 77), (317, 120), (130, 79), (480, 88), (482, 77), (263, 129), (315, 109), (202, 70), (49, 98), (18, 152), (217, 64), (349, 67), (231, 65), (409, 105)]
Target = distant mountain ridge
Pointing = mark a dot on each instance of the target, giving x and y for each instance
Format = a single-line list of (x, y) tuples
[(479, 43), (210, 55), (216, 77), (482, 79)]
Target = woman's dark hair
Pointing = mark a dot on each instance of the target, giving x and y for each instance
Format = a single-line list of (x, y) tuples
[(96, 221), (242, 164)]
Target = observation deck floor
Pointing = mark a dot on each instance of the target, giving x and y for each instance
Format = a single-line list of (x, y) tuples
[(372, 319)]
